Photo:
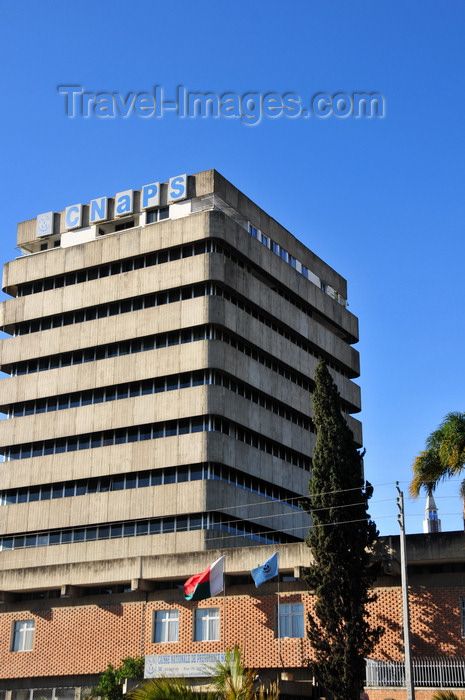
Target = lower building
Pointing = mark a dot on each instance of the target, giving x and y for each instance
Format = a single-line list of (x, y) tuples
[(54, 642)]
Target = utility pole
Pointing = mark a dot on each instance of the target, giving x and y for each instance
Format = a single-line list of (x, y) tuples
[(405, 604)]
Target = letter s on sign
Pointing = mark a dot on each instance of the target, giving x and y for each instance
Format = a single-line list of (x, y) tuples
[(177, 188)]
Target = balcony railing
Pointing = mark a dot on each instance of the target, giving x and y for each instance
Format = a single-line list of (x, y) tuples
[(428, 672)]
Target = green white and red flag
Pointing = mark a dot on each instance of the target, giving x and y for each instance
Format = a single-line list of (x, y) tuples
[(207, 584)]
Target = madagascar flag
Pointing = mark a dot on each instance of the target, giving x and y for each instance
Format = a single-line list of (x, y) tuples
[(207, 584)]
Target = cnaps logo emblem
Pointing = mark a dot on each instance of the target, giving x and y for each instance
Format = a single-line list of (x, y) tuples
[(44, 224)]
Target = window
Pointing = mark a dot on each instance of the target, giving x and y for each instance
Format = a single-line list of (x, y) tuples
[(166, 625), (23, 635), (290, 620), (207, 625), (462, 615), (154, 215), (124, 225)]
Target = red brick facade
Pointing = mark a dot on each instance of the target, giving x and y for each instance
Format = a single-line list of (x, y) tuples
[(72, 639), (399, 694), (80, 636), (435, 622)]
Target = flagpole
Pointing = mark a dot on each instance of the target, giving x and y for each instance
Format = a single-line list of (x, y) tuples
[(264, 573), (279, 626), (224, 614)]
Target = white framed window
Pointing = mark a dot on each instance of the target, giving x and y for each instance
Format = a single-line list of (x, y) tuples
[(207, 625), (290, 620), (166, 626), (23, 635)]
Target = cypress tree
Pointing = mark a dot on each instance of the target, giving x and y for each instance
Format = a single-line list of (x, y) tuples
[(340, 540)]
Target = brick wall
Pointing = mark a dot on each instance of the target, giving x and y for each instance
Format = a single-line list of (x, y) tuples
[(72, 639), (435, 622), (80, 636), (397, 694)]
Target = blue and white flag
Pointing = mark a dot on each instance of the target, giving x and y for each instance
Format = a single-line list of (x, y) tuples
[(267, 571)]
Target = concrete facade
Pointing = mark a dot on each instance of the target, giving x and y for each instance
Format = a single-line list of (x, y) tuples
[(159, 379), (157, 389)]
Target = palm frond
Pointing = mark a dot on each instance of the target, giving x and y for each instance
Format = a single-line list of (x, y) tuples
[(232, 681), (447, 695), (428, 470), (443, 456), (168, 689)]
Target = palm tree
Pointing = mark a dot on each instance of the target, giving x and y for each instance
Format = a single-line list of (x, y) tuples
[(443, 456), (232, 681), (447, 695)]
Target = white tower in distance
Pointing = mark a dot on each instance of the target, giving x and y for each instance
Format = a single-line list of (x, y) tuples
[(431, 523)]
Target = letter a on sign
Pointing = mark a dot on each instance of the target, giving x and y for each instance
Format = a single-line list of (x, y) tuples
[(123, 203)]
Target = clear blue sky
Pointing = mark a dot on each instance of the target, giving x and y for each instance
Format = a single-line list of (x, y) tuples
[(380, 200)]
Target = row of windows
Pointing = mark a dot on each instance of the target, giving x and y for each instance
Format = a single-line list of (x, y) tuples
[(293, 262), (289, 622), (262, 357), (113, 393), (116, 308), (116, 268), (154, 386), (151, 477), (233, 527), (157, 258), (278, 250), (123, 347), (206, 625), (269, 321), (160, 257), (152, 342), (154, 431), (161, 298), (160, 340), (283, 292)]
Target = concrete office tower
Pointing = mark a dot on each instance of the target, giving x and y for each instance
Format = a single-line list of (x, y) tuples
[(431, 523), (159, 379)]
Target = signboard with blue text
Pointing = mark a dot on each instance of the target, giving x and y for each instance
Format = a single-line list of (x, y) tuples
[(123, 206), (182, 665)]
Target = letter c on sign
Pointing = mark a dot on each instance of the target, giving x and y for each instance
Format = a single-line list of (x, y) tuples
[(73, 216)]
